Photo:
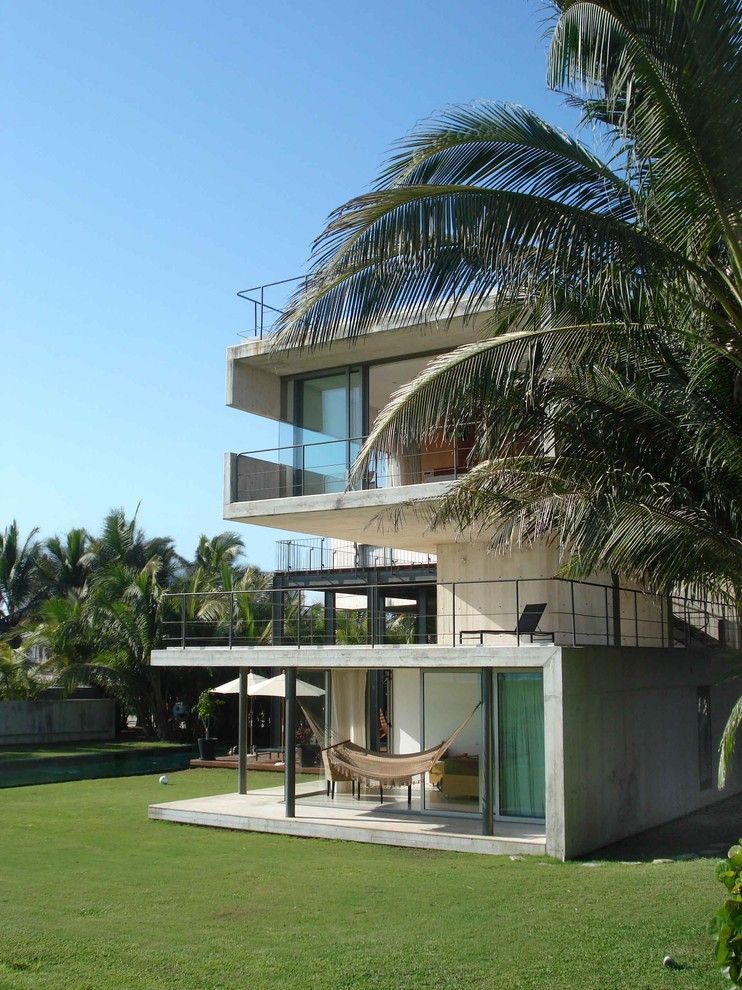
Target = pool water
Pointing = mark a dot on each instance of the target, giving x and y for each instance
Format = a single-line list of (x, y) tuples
[(128, 763)]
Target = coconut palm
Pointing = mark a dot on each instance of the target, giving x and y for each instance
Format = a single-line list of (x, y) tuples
[(21, 590), (17, 680), (606, 289), (65, 564), (121, 541)]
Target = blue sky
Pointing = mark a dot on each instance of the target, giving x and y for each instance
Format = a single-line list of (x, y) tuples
[(159, 156)]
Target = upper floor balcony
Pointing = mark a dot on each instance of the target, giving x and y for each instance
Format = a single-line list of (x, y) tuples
[(313, 488)]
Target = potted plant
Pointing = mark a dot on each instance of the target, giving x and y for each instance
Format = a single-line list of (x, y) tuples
[(206, 709), (309, 750)]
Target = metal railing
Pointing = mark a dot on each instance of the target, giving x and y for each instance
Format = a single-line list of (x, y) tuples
[(466, 613), (268, 303), (324, 467), (327, 554)]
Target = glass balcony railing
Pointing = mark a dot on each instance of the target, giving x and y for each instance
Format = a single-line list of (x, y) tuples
[(326, 467)]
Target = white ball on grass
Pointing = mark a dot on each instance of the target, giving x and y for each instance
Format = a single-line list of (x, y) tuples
[(163, 779), (669, 962)]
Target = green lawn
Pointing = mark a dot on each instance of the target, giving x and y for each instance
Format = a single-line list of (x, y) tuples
[(94, 896)]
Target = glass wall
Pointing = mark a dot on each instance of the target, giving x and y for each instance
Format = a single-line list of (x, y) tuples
[(448, 698), (520, 744), (327, 415)]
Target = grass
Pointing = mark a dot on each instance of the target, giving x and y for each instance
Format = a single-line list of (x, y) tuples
[(53, 752), (94, 896)]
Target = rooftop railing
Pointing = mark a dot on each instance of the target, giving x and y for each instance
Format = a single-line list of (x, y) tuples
[(268, 303), (326, 554), (465, 614)]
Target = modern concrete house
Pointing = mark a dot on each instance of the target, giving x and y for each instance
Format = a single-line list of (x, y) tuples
[(557, 716)]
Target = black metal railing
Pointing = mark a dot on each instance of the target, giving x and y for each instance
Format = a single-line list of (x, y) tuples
[(465, 613), (268, 303), (327, 554)]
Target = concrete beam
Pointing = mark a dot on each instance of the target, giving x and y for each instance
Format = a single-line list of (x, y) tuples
[(413, 655)]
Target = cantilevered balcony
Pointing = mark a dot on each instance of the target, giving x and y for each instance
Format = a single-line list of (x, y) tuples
[(311, 488)]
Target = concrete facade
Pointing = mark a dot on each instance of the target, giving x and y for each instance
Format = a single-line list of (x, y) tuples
[(631, 726), (624, 746), (634, 750), (67, 720)]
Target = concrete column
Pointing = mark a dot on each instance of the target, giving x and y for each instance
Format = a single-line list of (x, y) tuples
[(242, 735), (488, 804), (330, 618), (277, 613), (289, 755), (422, 615), (375, 629)]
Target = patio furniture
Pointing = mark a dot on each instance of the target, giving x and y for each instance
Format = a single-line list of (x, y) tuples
[(456, 776), (527, 626)]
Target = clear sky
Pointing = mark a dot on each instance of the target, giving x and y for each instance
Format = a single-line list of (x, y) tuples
[(161, 155)]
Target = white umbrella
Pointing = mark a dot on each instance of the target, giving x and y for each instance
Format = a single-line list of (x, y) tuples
[(275, 687), (272, 687), (233, 687)]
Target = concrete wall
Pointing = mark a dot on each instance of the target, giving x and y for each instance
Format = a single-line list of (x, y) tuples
[(631, 742), (489, 601), (70, 720)]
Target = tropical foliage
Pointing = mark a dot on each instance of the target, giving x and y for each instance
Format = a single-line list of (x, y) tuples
[(91, 608), (605, 287), (726, 925)]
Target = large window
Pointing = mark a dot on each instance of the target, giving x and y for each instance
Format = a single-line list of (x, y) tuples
[(327, 417), (448, 698)]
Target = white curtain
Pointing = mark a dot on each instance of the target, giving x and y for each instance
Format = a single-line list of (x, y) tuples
[(349, 706)]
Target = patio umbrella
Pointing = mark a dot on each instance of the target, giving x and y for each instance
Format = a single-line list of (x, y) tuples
[(233, 687), (275, 687), (272, 687)]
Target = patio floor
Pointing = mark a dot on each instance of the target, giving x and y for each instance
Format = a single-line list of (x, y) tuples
[(366, 820)]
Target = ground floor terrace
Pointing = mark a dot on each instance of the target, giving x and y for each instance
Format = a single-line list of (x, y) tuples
[(529, 749), (316, 815)]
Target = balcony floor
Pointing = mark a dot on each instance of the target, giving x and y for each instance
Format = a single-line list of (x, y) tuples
[(318, 817)]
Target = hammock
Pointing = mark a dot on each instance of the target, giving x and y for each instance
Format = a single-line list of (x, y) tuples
[(352, 762)]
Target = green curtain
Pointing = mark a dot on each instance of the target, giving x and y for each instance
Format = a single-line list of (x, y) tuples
[(520, 705)]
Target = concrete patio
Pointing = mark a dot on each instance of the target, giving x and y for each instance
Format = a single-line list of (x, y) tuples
[(391, 824)]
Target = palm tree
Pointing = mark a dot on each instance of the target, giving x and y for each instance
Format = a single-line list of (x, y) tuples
[(607, 290), (65, 564), (121, 541), (17, 682), (20, 588)]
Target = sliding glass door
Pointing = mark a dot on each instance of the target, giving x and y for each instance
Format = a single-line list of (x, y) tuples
[(520, 744), (328, 424), (450, 698)]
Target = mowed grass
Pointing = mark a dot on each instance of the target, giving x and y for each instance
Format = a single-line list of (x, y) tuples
[(94, 896)]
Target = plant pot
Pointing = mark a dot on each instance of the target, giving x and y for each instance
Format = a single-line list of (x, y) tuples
[(207, 749), (310, 754)]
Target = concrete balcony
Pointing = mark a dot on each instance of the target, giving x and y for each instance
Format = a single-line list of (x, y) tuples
[(310, 488)]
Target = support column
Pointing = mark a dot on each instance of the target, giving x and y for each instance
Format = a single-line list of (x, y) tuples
[(289, 754), (422, 615), (330, 618), (242, 735), (375, 619), (277, 613), (488, 804)]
